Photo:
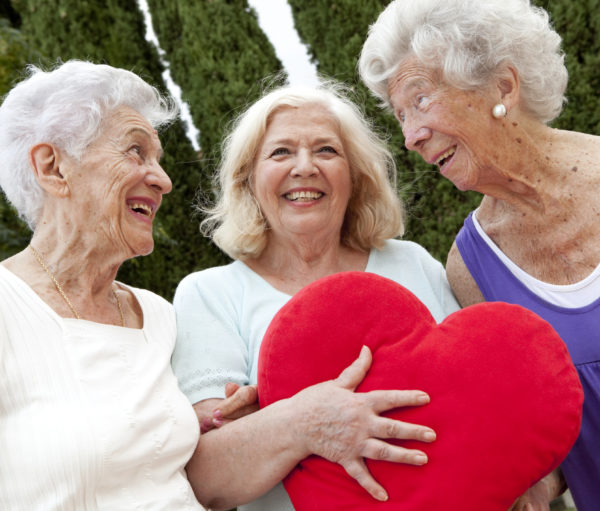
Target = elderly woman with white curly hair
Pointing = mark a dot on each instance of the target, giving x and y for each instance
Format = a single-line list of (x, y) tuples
[(305, 191), (91, 416), (474, 84)]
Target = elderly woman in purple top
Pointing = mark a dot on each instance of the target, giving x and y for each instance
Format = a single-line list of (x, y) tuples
[(473, 84)]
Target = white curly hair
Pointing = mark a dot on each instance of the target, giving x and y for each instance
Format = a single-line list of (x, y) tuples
[(469, 40), (65, 106)]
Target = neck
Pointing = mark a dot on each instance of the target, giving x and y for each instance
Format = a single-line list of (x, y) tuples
[(289, 266), (84, 265), (532, 173)]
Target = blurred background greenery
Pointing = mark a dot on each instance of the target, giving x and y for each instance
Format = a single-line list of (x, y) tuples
[(219, 56)]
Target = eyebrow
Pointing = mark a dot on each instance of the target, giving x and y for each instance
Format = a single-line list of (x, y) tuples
[(328, 140), (279, 141), (147, 135), (414, 83), (320, 140)]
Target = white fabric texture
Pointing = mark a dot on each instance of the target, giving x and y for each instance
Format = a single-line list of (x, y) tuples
[(224, 312), (570, 296), (91, 417)]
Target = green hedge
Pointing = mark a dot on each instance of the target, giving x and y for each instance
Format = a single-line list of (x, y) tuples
[(113, 32), (220, 58), (335, 31)]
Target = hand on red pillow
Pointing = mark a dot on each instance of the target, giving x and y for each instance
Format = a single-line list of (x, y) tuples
[(505, 397)]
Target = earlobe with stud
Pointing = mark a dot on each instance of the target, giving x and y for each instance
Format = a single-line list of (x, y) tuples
[(499, 111)]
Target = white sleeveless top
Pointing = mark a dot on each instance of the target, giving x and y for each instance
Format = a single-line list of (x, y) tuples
[(91, 417), (570, 296)]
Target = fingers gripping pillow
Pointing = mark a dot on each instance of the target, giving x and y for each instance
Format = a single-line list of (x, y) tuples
[(505, 398)]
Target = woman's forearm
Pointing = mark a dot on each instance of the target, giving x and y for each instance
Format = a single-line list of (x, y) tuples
[(245, 459)]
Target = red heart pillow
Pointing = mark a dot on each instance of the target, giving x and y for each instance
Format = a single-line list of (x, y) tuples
[(505, 397)]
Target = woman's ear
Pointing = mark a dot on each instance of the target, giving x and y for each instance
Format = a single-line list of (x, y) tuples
[(45, 159), (508, 85)]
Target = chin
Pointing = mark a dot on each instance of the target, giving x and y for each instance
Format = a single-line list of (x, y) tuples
[(463, 187), (462, 184), (463, 178), (147, 250), (143, 249)]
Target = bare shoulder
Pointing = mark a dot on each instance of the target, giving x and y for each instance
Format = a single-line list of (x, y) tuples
[(580, 152), (463, 285), (17, 264)]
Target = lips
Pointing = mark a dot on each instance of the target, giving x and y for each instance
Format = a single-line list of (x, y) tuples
[(142, 206), (445, 157), (303, 195)]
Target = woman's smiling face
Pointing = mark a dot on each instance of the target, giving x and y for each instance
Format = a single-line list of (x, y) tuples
[(447, 126), (117, 185), (301, 177)]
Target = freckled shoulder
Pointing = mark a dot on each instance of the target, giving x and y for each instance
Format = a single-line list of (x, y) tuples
[(463, 285)]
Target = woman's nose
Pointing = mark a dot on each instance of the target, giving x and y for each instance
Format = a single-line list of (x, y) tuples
[(158, 179), (414, 135), (304, 164)]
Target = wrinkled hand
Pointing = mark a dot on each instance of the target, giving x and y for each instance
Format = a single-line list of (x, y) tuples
[(345, 427), (239, 401), (534, 499), (539, 496)]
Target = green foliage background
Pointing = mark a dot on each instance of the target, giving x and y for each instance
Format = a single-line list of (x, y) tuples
[(335, 31), (221, 58), (113, 32)]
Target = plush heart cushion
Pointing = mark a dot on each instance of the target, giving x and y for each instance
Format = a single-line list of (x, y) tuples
[(505, 398)]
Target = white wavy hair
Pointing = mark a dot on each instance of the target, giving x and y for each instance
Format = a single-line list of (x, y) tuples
[(374, 211), (468, 40), (65, 106)]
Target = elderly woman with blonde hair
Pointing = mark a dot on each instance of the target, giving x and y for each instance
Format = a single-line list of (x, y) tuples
[(305, 191), (473, 84)]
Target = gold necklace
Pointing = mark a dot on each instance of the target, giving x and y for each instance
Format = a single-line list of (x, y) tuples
[(62, 293)]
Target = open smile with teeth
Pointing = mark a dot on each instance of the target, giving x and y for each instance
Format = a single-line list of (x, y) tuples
[(303, 196), (141, 208), (445, 157)]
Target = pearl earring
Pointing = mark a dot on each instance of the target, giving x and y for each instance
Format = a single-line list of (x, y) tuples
[(499, 111)]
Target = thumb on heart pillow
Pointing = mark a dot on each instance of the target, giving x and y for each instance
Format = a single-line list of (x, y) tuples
[(505, 398)]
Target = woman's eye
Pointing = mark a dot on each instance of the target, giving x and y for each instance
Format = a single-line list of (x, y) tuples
[(327, 149), (421, 100), (280, 151), (137, 149)]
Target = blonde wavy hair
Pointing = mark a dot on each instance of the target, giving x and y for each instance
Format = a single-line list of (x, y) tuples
[(375, 213)]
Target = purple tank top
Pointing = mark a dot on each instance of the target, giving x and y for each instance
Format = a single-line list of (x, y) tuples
[(579, 329)]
